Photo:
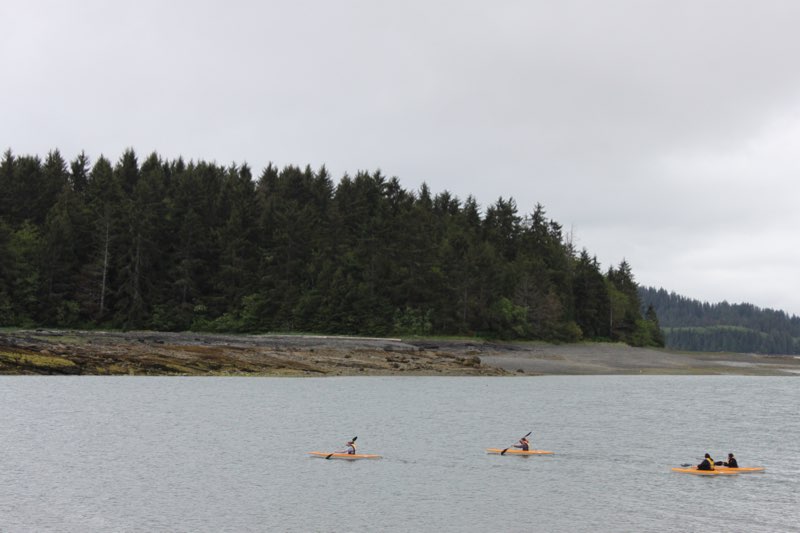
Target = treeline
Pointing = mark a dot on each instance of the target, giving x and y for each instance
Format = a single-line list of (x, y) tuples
[(693, 325), (170, 245)]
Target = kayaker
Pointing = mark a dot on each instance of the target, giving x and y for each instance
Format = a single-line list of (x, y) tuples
[(523, 444), (707, 464), (350, 448), (731, 462)]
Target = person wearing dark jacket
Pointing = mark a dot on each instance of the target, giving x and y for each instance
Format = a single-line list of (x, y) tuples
[(523, 444), (707, 464), (731, 462)]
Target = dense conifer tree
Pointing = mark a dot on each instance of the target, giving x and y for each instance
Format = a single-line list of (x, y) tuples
[(592, 300), (170, 245)]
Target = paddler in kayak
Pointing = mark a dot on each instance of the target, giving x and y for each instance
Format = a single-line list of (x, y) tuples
[(707, 464), (523, 444), (350, 447), (731, 462)]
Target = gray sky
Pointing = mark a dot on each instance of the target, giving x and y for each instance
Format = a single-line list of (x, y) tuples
[(663, 132)]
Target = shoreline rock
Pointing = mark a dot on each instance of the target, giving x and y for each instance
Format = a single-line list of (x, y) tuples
[(55, 352)]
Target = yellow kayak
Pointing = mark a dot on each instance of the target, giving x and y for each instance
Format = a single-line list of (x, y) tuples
[(718, 472), (741, 469), (348, 456), (515, 451)]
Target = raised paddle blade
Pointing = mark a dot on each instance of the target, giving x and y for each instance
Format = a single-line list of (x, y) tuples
[(354, 439)]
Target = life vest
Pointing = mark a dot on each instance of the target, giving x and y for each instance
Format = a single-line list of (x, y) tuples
[(710, 463), (352, 450), (524, 445)]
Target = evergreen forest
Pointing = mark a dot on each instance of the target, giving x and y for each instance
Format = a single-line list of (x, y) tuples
[(722, 327), (176, 246)]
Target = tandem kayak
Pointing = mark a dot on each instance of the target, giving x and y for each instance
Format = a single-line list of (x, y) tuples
[(717, 472), (348, 456), (513, 451), (741, 469)]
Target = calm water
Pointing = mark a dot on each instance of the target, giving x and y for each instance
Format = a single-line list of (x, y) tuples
[(227, 454)]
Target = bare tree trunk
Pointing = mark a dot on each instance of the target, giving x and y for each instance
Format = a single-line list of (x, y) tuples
[(137, 295), (105, 270), (464, 311)]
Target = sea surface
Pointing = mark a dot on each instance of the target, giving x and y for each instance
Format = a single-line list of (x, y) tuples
[(174, 454)]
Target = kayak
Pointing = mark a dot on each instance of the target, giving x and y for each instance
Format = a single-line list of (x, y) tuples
[(513, 451), (717, 472), (741, 469), (348, 456)]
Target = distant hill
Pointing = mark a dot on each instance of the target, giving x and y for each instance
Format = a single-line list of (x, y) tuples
[(701, 326)]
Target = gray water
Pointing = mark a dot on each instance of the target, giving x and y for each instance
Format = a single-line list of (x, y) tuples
[(228, 454)]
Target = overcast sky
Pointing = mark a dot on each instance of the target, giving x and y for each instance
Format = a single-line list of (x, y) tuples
[(666, 133)]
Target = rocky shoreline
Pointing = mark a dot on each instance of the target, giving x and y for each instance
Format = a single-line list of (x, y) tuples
[(159, 353), (44, 352)]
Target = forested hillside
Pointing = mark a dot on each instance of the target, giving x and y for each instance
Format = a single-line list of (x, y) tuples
[(171, 245), (693, 325)]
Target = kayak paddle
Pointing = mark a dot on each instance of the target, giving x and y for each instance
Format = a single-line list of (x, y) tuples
[(686, 465), (331, 454), (716, 463), (526, 436)]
